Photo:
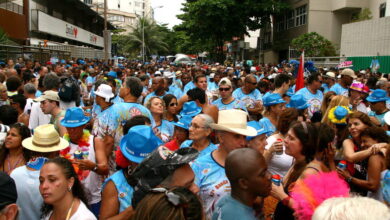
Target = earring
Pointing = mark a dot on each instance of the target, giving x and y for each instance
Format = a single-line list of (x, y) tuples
[(70, 189)]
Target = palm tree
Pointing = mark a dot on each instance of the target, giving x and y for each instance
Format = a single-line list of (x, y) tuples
[(152, 36), (4, 39)]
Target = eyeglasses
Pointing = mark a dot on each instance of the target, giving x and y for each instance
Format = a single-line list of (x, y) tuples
[(173, 104), (224, 89), (196, 126)]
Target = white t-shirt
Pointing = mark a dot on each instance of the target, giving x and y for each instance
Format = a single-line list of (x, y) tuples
[(27, 108), (37, 117), (93, 182), (279, 164), (82, 213)]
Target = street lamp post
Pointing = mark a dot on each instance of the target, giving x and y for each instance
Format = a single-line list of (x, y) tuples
[(143, 32)]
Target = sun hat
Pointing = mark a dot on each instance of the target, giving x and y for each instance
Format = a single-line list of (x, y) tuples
[(272, 99), (225, 81), (139, 142), (45, 139), (178, 73), (330, 75), (297, 101), (8, 193), (233, 120), (168, 74), (378, 95), (348, 72), (105, 91), (190, 109), (156, 167), (74, 117), (184, 122), (260, 129), (338, 114), (357, 86), (48, 95)]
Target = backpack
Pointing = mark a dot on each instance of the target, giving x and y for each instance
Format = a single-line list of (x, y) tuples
[(69, 89)]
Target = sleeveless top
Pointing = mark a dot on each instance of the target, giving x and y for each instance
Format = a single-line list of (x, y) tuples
[(54, 120), (125, 191)]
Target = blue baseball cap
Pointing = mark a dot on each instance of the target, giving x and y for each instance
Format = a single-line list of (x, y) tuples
[(272, 99), (190, 109), (297, 101), (184, 122), (378, 95), (74, 117), (260, 129), (139, 142)]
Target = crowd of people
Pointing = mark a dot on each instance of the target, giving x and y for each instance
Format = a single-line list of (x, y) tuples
[(84, 139)]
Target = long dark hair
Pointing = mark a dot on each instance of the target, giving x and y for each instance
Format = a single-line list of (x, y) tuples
[(24, 132), (167, 99), (307, 135), (69, 172)]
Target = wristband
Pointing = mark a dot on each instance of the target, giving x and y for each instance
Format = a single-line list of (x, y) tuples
[(95, 168), (349, 179)]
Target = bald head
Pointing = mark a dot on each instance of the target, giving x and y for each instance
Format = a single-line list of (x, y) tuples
[(250, 77), (242, 163)]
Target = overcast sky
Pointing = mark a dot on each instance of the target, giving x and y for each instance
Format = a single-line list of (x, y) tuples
[(167, 14)]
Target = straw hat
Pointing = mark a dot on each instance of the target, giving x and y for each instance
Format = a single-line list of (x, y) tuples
[(45, 139), (234, 120)]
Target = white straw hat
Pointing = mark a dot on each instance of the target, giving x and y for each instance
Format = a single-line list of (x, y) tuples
[(45, 139), (235, 121)]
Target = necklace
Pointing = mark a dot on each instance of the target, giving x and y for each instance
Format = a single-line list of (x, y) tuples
[(69, 211), (10, 168)]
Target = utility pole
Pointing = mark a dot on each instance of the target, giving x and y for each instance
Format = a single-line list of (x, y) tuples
[(105, 33)]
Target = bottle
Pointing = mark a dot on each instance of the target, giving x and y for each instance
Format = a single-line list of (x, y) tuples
[(342, 164), (78, 155), (276, 179), (279, 152)]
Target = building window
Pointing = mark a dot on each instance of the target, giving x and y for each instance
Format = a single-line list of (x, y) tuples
[(300, 16), (12, 5), (382, 10), (138, 4), (290, 19), (88, 2), (116, 18)]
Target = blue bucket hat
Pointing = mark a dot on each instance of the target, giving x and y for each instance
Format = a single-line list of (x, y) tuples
[(184, 122), (272, 99), (74, 117), (260, 129), (378, 95), (113, 74), (297, 101), (139, 142), (190, 109)]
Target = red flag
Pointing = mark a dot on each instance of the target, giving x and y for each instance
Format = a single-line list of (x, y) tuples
[(299, 84)]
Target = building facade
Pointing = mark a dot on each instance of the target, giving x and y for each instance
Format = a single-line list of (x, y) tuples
[(324, 17)]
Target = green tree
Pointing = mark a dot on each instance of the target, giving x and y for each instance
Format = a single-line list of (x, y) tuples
[(314, 45), (209, 23), (149, 32), (4, 39), (363, 15)]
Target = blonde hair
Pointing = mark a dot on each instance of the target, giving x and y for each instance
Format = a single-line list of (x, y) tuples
[(336, 101), (148, 104), (351, 208), (325, 103)]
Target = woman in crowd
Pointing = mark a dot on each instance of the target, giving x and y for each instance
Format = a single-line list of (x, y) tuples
[(355, 93), (199, 136), (300, 141), (274, 106), (298, 102), (62, 192), (11, 154), (376, 165), (163, 128), (171, 108), (338, 117), (259, 141), (178, 203)]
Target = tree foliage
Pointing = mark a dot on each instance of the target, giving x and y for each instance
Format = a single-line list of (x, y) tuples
[(212, 22), (4, 39), (314, 45), (363, 15)]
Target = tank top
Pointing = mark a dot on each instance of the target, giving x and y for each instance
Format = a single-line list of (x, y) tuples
[(54, 120), (125, 191)]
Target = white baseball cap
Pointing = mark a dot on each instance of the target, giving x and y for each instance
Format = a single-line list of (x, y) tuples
[(105, 91)]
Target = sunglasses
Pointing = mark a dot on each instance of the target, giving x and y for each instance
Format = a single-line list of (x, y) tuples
[(224, 89), (173, 104)]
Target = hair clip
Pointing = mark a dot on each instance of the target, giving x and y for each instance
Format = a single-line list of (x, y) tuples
[(172, 197)]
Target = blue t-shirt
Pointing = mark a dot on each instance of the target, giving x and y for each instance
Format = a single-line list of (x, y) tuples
[(212, 86), (125, 191), (211, 179), (229, 208), (166, 130), (339, 90), (315, 100), (207, 150), (175, 91), (249, 99), (150, 95), (381, 117), (235, 104), (190, 85), (326, 87), (268, 126)]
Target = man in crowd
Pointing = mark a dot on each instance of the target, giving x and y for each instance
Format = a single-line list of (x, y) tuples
[(8, 197), (377, 100), (250, 95), (328, 81), (312, 93), (158, 87), (50, 105), (227, 101), (341, 88)]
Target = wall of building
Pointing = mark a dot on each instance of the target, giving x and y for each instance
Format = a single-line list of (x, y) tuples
[(271, 57), (373, 5), (366, 38)]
